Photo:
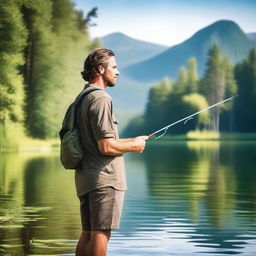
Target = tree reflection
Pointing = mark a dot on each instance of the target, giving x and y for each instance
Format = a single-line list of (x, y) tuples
[(211, 181), (39, 194)]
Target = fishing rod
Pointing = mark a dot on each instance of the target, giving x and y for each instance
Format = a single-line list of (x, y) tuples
[(186, 118)]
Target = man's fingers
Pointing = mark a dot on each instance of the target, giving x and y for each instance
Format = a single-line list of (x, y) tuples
[(144, 137)]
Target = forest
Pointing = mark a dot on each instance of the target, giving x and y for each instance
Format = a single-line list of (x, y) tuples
[(170, 101), (43, 46)]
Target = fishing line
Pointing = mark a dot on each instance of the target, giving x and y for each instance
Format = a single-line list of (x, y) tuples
[(188, 119), (158, 137)]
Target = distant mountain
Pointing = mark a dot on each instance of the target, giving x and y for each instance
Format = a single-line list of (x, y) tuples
[(252, 36), (129, 50), (233, 42)]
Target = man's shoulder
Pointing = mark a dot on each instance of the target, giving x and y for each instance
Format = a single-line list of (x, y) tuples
[(97, 95)]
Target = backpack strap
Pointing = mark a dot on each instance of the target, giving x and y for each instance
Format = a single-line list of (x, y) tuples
[(79, 100), (84, 93), (71, 113)]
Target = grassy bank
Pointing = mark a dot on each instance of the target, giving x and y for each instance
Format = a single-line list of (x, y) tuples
[(14, 139), (32, 145), (26, 144)]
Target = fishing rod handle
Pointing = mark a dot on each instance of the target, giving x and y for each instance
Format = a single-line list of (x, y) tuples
[(151, 135)]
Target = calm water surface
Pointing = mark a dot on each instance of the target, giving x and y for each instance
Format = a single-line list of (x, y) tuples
[(189, 198)]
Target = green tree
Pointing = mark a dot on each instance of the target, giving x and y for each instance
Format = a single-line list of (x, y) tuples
[(192, 83), (245, 74), (155, 109), (227, 114), (179, 86), (181, 105), (72, 45), (12, 41), (56, 46), (174, 110), (195, 102), (38, 69), (213, 84), (187, 81), (43, 46), (230, 81)]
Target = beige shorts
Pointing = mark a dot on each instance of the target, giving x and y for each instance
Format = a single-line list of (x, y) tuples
[(101, 209)]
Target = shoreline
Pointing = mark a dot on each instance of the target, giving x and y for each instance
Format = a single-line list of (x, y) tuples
[(32, 145), (53, 145)]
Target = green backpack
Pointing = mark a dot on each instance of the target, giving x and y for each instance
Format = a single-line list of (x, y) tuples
[(71, 150)]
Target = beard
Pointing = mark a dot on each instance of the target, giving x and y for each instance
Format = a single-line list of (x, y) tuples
[(111, 83)]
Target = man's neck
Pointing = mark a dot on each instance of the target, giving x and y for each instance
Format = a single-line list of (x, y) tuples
[(98, 81)]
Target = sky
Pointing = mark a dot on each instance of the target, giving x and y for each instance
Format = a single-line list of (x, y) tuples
[(166, 22)]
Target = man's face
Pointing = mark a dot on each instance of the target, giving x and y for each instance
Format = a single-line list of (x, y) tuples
[(111, 72)]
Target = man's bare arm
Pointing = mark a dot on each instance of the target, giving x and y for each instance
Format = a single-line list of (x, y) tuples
[(112, 147)]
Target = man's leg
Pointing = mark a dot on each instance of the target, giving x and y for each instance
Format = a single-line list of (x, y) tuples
[(82, 247), (83, 243), (94, 243), (99, 243), (99, 208)]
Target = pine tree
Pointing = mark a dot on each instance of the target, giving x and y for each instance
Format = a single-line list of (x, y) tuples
[(213, 84), (192, 83), (180, 85), (187, 81), (227, 114)]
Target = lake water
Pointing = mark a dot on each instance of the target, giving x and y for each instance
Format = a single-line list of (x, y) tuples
[(186, 198)]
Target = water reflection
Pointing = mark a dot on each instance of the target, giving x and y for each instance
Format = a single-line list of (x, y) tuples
[(201, 184), (36, 201), (183, 199)]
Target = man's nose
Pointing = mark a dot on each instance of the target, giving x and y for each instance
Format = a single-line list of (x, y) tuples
[(117, 72)]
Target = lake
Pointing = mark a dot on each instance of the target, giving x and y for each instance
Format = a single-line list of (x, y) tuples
[(184, 198)]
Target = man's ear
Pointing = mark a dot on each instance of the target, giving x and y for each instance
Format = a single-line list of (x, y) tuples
[(101, 69)]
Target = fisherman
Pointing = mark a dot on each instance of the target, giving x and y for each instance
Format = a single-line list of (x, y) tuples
[(100, 178)]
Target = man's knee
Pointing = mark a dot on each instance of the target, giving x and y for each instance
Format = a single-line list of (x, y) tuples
[(101, 234)]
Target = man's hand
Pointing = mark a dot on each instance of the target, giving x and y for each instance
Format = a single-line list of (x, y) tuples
[(139, 144)]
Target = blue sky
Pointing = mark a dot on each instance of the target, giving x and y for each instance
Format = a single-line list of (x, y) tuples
[(166, 22)]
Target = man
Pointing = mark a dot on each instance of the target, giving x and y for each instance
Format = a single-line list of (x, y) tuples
[(100, 178)]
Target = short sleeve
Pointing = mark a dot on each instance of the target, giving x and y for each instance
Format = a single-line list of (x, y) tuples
[(100, 114)]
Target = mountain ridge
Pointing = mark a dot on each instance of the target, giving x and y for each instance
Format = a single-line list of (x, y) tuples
[(234, 44), (131, 92), (129, 50)]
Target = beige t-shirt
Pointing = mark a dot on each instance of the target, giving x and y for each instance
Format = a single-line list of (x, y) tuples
[(96, 121)]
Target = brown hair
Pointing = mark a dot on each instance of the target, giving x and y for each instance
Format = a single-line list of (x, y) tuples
[(97, 57)]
